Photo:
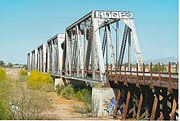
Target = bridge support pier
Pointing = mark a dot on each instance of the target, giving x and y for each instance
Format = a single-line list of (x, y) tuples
[(58, 81), (103, 101)]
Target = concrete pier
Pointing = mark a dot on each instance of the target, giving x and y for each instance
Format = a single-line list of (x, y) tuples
[(102, 101)]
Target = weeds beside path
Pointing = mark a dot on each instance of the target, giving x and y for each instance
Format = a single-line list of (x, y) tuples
[(60, 107)]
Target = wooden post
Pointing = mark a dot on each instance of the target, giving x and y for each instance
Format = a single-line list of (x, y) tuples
[(126, 106), (146, 113), (139, 106), (151, 76), (107, 72), (131, 73), (137, 80), (117, 104), (143, 73), (177, 66), (173, 111), (159, 71), (111, 70), (125, 81), (154, 108), (169, 72), (116, 70)]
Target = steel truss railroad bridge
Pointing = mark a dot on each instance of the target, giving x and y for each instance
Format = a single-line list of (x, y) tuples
[(90, 50)]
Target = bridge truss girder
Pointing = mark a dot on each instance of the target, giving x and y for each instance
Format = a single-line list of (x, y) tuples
[(85, 47)]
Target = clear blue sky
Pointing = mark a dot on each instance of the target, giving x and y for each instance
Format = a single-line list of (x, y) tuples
[(25, 24)]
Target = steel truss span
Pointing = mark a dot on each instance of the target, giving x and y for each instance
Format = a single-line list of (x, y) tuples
[(97, 48), (92, 47)]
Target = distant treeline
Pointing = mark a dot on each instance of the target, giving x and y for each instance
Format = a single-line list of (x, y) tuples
[(11, 65)]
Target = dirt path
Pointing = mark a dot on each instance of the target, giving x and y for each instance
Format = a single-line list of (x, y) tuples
[(62, 108)]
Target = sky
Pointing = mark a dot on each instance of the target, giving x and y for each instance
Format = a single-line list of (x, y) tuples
[(26, 24)]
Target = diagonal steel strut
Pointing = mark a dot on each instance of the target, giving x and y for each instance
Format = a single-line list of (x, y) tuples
[(123, 45)]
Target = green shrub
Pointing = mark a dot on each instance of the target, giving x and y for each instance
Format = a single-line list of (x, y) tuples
[(59, 88), (3, 75), (4, 92), (155, 68), (4, 112), (22, 73), (37, 80), (68, 92), (31, 103), (84, 109), (83, 95), (48, 87)]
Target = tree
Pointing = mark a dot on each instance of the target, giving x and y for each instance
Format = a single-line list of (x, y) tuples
[(155, 68), (2, 63), (173, 63), (25, 66), (10, 65)]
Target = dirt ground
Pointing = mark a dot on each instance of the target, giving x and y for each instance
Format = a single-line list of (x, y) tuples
[(60, 108)]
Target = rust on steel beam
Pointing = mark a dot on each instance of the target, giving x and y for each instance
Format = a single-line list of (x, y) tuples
[(139, 106), (170, 80), (161, 117), (125, 80), (133, 110), (137, 80), (131, 74), (173, 110), (154, 107), (126, 105), (155, 83), (159, 72), (111, 70), (117, 104), (116, 70)]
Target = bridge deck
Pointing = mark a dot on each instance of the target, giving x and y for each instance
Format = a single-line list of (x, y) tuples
[(164, 80)]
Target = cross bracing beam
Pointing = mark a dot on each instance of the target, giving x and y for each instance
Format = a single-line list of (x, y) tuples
[(85, 46)]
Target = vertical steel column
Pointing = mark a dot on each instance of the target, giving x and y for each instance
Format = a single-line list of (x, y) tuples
[(52, 58), (117, 40), (129, 49), (36, 59), (85, 68), (107, 65), (44, 57), (77, 53)]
